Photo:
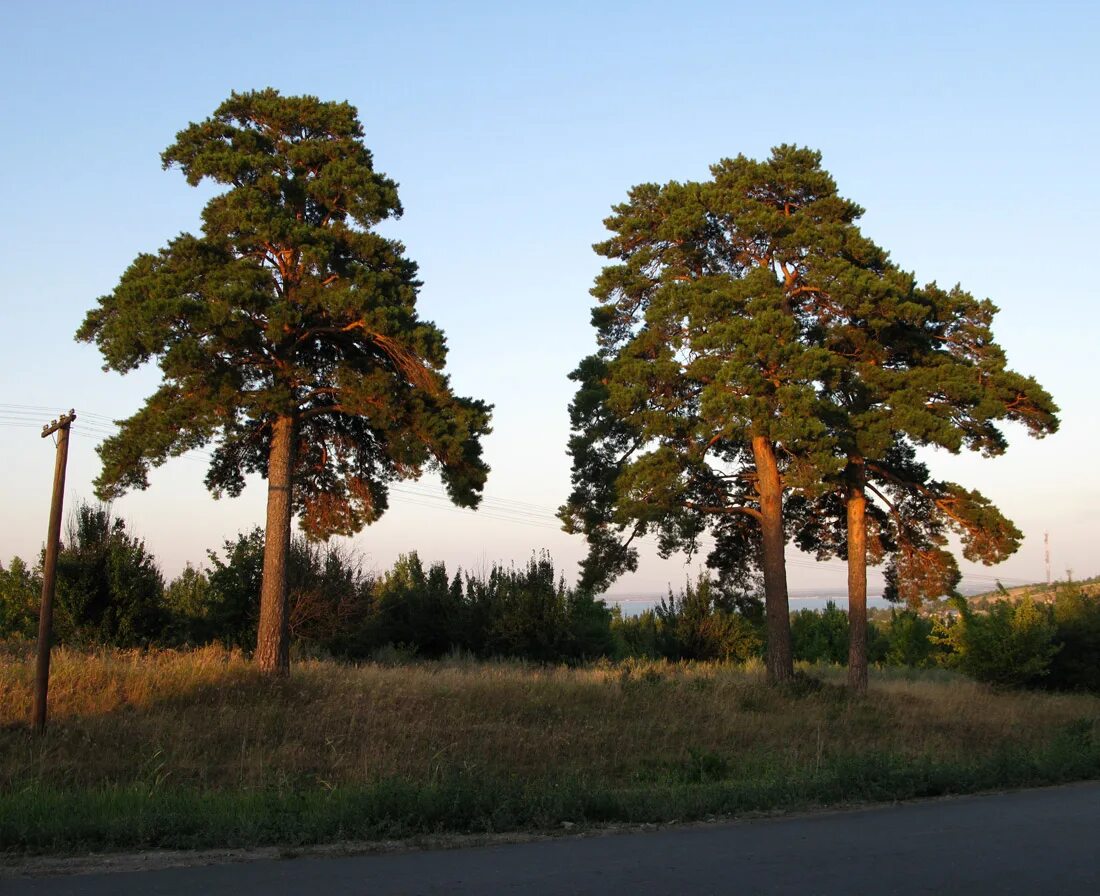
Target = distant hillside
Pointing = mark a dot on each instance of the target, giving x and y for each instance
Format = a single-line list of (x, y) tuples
[(1039, 592)]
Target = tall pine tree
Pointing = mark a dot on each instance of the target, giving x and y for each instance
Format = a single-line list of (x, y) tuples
[(702, 408), (756, 348), (287, 335), (921, 367)]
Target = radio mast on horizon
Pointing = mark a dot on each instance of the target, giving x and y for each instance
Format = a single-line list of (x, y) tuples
[(1046, 548)]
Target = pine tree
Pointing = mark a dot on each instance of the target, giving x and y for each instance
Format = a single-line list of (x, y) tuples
[(918, 366), (755, 347), (287, 335), (702, 407)]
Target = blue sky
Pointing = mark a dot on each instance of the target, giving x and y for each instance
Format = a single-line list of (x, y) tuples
[(967, 130)]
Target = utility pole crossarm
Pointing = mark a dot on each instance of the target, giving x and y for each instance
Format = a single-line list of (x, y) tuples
[(61, 423)]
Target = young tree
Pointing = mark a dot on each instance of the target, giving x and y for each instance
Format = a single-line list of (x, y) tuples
[(287, 334)]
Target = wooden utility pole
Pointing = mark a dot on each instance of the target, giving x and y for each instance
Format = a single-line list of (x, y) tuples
[(49, 572)]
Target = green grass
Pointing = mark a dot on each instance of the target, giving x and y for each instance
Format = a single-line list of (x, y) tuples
[(188, 750)]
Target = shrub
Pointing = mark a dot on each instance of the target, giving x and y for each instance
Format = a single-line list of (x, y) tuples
[(20, 597), (1077, 617), (638, 636), (109, 589), (909, 640), (1010, 645), (328, 596), (532, 614), (820, 636), (186, 598), (419, 608), (231, 609), (702, 622)]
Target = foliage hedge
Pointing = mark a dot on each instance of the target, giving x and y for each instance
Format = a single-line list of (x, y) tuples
[(110, 591)]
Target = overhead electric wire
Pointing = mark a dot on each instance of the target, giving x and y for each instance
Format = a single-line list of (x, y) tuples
[(491, 507)]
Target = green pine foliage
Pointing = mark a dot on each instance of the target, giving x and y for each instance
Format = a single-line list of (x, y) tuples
[(703, 404), (756, 350), (698, 350)]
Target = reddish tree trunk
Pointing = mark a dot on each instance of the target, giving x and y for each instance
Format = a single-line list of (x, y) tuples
[(273, 639), (779, 658), (857, 581)]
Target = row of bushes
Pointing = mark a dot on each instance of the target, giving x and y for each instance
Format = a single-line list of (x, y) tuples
[(1008, 643), (110, 591), (1011, 644)]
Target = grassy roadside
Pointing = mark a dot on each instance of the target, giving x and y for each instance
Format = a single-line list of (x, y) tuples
[(193, 750)]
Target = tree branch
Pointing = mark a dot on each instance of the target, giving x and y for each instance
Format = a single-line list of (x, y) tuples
[(724, 508)]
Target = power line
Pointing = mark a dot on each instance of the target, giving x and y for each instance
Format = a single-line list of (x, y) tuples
[(492, 507)]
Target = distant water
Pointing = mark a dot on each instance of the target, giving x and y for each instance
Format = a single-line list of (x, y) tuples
[(816, 599), (800, 599)]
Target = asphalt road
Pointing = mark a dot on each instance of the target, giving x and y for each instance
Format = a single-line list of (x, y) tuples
[(1030, 843)]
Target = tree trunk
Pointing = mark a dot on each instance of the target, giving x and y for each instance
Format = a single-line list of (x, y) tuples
[(779, 659), (857, 580), (273, 639)]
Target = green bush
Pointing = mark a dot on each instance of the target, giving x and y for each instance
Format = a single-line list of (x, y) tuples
[(418, 608), (1011, 645), (328, 597), (820, 636), (909, 640), (638, 636), (230, 608), (525, 612), (1076, 665), (20, 597), (109, 589), (529, 612), (702, 622)]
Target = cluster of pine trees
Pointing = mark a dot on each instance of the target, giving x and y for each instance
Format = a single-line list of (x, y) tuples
[(764, 371)]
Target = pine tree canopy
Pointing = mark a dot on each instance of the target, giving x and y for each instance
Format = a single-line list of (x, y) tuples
[(287, 306), (751, 307), (709, 335), (918, 366)]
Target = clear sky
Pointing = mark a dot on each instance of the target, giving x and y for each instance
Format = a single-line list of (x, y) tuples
[(967, 130)]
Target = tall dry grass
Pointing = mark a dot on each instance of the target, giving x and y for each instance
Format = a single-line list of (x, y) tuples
[(205, 718)]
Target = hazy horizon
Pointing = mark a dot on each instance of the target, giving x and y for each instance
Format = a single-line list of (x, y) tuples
[(512, 130)]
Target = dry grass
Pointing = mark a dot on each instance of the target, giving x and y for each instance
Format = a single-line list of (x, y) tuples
[(205, 719)]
